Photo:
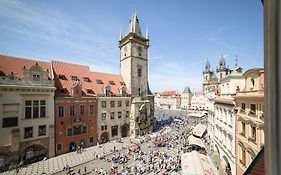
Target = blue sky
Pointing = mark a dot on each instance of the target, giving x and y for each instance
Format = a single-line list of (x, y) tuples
[(183, 34)]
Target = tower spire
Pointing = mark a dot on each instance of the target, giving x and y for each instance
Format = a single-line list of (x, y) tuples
[(120, 35), (134, 26), (146, 33)]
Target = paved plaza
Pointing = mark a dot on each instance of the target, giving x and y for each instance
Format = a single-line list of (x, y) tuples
[(89, 161)]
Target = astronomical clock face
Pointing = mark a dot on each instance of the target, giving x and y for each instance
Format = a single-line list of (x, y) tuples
[(143, 117)]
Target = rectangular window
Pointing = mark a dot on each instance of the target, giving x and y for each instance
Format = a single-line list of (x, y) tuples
[(91, 109), (243, 156), (91, 139), (103, 104), (61, 111), (36, 77), (107, 93), (10, 122), (74, 78), (254, 130), (42, 108), (112, 104), (28, 107), (253, 109), (119, 114), (114, 131), (42, 130), (127, 103), (72, 110), (35, 108), (243, 127), (112, 115), (243, 107), (103, 116), (82, 110), (84, 129), (77, 130), (119, 103), (127, 113), (69, 132), (104, 127), (58, 146), (28, 132)]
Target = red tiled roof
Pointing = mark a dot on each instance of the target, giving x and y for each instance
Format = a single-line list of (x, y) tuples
[(105, 78), (9, 64), (224, 100), (80, 71), (169, 93)]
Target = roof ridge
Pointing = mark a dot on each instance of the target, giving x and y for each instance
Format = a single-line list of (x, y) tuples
[(30, 59)]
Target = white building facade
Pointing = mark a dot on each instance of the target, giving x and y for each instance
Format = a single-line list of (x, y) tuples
[(26, 111), (199, 101), (224, 133), (186, 98), (168, 100)]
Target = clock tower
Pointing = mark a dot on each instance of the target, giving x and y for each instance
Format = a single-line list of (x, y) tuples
[(134, 71), (134, 58)]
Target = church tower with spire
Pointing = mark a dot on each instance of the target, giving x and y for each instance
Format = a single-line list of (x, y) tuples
[(134, 58)]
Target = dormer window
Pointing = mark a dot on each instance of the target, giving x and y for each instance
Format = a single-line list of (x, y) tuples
[(62, 90), (111, 82), (86, 79), (36, 77), (74, 78), (90, 91), (99, 82), (107, 91), (61, 77)]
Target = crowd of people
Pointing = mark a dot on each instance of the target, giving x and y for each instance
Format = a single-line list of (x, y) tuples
[(160, 155)]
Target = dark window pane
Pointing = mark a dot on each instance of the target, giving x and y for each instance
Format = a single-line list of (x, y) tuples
[(42, 102), (59, 147), (10, 122), (42, 111), (35, 111), (28, 103), (84, 129), (42, 130), (28, 132), (61, 111), (27, 112), (91, 139), (69, 132), (77, 130)]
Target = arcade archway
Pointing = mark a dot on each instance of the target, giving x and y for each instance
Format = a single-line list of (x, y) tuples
[(104, 137), (124, 130), (34, 153)]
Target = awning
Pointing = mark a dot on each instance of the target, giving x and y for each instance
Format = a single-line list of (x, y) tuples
[(195, 141), (199, 130), (193, 163)]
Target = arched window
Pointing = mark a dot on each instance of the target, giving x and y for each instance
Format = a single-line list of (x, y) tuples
[(253, 82)]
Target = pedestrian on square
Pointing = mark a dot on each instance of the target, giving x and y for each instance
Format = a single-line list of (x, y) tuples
[(79, 173), (85, 170)]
